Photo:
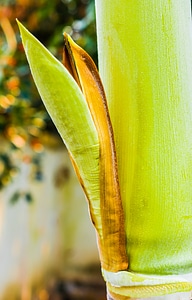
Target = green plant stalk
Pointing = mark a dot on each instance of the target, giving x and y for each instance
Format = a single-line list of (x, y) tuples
[(145, 62)]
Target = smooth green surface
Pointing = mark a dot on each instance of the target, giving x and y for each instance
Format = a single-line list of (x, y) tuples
[(69, 111), (145, 59)]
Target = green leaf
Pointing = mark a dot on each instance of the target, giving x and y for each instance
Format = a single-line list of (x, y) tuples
[(70, 113)]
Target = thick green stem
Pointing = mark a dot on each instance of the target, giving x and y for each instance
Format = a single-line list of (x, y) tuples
[(145, 61)]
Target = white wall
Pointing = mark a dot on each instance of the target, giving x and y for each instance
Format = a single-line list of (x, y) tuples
[(53, 232)]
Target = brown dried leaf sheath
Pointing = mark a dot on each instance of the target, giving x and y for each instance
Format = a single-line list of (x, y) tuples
[(113, 244)]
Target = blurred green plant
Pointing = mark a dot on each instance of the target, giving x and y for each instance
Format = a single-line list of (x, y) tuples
[(23, 118)]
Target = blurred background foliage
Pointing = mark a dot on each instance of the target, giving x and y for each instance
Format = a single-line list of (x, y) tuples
[(23, 118)]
